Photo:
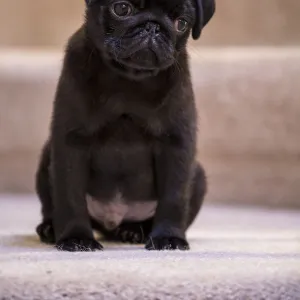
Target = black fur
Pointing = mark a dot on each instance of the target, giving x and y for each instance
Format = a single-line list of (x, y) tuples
[(127, 123)]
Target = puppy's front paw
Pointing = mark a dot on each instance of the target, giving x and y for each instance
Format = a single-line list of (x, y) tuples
[(167, 243), (46, 232), (79, 245)]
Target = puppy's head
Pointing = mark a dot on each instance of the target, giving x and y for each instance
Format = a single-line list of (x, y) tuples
[(142, 37)]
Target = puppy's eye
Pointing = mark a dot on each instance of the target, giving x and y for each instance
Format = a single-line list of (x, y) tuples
[(122, 9), (181, 25)]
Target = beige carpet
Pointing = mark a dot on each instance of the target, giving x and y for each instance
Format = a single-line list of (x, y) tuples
[(237, 253)]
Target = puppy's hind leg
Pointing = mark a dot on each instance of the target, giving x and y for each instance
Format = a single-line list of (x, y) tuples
[(131, 232), (43, 188)]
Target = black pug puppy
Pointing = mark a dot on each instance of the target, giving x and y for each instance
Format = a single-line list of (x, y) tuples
[(121, 153)]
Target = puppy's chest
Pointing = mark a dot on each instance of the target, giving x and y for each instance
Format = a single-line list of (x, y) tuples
[(129, 116), (129, 127), (126, 142)]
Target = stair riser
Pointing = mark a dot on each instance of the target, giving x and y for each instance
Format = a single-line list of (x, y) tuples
[(249, 124)]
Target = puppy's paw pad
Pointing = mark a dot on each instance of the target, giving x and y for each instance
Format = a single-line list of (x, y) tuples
[(130, 234), (46, 232), (167, 243), (79, 245)]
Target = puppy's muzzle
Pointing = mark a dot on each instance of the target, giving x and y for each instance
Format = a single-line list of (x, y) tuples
[(149, 50), (152, 29)]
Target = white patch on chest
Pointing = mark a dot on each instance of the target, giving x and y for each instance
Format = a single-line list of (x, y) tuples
[(111, 214)]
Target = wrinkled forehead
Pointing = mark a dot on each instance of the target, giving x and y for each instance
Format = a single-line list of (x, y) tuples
[(166, 5)]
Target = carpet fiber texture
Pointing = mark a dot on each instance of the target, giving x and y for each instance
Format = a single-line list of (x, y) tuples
[(237, 253)]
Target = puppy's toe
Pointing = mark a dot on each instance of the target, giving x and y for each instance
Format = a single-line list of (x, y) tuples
[(79, 245), (137, 238), (133, 237), (46, 232), (167, 243)]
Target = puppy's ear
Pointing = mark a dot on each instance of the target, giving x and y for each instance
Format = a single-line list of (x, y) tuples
[(205, 9)]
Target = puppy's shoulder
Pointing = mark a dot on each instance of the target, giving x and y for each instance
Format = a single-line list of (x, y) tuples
[(77, 51), (77, 41)]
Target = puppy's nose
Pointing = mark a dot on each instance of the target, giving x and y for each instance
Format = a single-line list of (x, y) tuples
[(152, 27)]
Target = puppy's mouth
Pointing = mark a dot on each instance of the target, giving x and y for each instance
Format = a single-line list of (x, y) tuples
[(142, 64), (144, 58), (129, 69)]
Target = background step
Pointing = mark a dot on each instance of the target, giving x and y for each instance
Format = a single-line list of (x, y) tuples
[(249, 107)]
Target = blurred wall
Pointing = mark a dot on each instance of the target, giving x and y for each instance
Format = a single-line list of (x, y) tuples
[(238, 22)]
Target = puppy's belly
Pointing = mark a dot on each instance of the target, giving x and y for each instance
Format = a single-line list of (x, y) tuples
[(111, 214)]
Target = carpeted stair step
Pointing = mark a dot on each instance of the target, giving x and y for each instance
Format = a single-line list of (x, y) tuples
[(249, 109)]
